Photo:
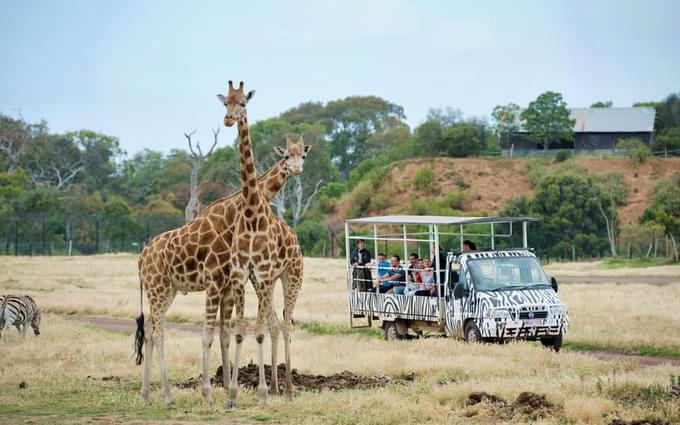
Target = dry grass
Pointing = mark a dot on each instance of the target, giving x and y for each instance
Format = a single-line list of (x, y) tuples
[(633, 317), (597, 268), (64, 368)]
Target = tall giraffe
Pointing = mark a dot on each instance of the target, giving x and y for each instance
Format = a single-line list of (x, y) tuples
[(262, 249), (195, 257), (271, 183)]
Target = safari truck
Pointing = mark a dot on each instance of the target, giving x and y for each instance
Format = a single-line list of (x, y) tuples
[(495, 293)]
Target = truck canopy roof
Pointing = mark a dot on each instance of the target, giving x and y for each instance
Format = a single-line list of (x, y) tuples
[(436, 219)]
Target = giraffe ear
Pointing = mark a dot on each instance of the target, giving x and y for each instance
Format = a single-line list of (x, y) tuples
[(221, 98), (280, 151), (250, 95), (307, 148)]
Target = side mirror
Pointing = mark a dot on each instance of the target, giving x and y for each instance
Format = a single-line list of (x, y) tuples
[(459, 291), (553, 283)]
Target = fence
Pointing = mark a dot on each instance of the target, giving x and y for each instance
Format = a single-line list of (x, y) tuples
[(42, 234)]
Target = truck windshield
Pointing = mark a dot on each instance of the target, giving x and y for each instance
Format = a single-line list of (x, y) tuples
[(498, 274)]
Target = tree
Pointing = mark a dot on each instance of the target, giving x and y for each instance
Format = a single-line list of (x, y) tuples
[(429, 138), (613, 192), (547, 121), (600, 104), (506, 121), (664, 210), (462, 140), (351, 121), (198, 159), (667, 140), (634, 149)]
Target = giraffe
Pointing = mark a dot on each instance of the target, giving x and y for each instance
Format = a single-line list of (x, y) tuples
[(262, 250), (195, 257), (271, 183)]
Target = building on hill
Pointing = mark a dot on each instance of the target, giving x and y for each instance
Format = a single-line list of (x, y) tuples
[(595, 130)]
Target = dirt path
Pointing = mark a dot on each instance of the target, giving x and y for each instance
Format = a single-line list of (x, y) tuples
[(650, 280), (128, 325)]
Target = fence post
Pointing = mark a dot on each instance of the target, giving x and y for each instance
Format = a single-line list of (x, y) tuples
[(43, 235), (96, 236), (16, 238)]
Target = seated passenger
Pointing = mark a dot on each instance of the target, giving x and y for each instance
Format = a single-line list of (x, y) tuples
[(382, 265), (395, 277), (411, 275), (427, 285)]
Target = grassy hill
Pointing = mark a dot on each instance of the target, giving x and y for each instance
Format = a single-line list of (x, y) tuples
[(484, 185)]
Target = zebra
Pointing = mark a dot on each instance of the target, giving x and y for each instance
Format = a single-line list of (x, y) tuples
[(19, 311)]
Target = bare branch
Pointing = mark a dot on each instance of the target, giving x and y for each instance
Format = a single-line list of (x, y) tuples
[(188, 137), (216, 133)]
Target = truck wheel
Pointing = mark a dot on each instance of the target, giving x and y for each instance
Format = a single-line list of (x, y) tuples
[(391, 333), (555, 343), (472, 333)]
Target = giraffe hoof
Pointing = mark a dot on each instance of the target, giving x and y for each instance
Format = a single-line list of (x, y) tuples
[(231, 405)]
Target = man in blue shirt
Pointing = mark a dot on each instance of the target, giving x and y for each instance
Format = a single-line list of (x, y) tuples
[(395, 277), (382, 265)]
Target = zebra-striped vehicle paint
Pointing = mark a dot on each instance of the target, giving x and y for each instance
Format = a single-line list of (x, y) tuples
[(18, 311), (521, 305), (477, 306)]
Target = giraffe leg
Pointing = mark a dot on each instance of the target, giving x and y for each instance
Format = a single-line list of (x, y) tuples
[(264, 296), (237, 285), (292, 282), (158, 306), (226, 307), (274, 335), (213, 297), (148, 354)]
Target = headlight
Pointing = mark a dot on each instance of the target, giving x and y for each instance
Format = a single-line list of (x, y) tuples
[(500, 313), (557, 310)]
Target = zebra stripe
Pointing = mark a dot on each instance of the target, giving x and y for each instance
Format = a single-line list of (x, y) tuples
[(20, 312), (390, 305)]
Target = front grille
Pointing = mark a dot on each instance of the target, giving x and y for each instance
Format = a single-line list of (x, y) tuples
[(524, 315)]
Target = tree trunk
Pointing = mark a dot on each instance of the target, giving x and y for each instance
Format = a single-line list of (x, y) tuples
[(192, 208)]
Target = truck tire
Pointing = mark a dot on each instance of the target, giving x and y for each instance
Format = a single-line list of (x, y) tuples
[(391, 332), (472, 333), (555, 343)]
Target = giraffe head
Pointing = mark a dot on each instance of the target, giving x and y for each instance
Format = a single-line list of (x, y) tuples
[(294, 154), (235, 102)]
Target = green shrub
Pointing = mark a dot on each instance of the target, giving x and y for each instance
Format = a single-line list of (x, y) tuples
[(425, 179), (634, 149), (455, 200), (333, 189), (562, 155), (359, 199)]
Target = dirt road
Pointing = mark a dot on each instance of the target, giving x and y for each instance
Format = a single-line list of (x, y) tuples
[(129, 326)]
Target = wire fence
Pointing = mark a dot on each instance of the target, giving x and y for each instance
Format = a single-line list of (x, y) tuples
[(42, 234)]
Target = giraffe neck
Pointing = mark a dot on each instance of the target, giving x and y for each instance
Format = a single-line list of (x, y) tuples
[(273, 180), (250, 189)]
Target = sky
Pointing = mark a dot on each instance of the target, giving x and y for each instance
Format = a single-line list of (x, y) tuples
[(147, 72)]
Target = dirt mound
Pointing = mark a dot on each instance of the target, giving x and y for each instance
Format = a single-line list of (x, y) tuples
[(478, 397), (640, 422), (527, 403), (248, 377)]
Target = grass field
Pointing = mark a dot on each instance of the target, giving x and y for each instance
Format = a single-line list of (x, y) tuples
[(64, 367)]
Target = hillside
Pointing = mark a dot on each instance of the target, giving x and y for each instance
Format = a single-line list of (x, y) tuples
[(490, 183)]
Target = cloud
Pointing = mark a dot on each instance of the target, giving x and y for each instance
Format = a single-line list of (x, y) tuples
[(463, 35)]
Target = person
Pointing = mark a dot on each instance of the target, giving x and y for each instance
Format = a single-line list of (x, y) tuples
[(469, 246), (361, 274), (395, 277), (439, 262), (382, 265), (412, 272), (427, 285)]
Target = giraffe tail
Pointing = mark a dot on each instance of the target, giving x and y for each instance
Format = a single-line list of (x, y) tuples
[(139, 339), (139, 334)]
